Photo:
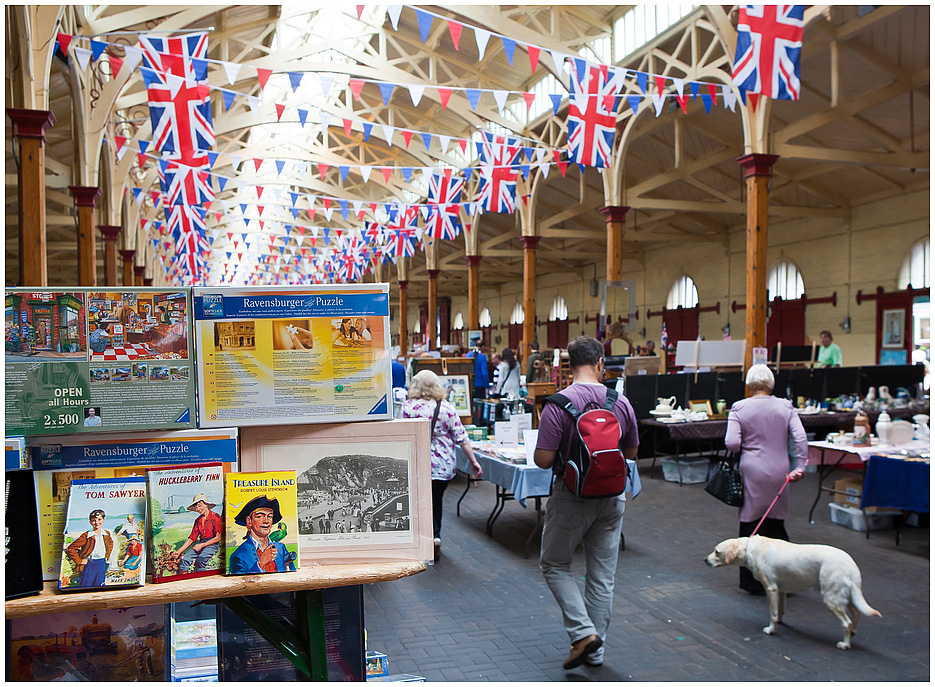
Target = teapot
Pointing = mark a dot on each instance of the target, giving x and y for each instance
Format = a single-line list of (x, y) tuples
[(666, 405)]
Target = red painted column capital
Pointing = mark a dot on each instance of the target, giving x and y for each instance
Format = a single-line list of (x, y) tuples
[(109, 232), (85, 196), (530, 242), (147, 281), (403, 283), (433, 274), (127, 255), (614, 213), (757, 164), (138, 271), (473, 260), (30, 123)]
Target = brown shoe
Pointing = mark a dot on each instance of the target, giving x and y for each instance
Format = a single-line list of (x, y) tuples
[(580, 649)]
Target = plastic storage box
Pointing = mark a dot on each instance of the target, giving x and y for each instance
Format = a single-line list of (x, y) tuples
[(378, 664), (854, 518), (693, 471)]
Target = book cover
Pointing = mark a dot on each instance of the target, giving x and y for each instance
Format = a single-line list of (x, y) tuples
[(186, 521), (103, 645), (261, 522), (104, 534)]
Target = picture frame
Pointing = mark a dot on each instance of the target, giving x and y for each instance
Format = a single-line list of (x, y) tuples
[(703, 405), (459, 392), (364, 488), (893, 332)]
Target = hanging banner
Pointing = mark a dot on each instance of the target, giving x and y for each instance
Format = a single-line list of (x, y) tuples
[(287, 355), (91, 361)]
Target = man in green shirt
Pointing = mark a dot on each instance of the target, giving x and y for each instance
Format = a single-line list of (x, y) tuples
[(531, 362), (829, 354)]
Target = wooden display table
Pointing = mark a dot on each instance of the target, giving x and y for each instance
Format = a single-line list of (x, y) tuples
[(216, 587)]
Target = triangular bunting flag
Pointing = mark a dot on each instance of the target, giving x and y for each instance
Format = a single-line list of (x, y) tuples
[(425, 23), (279, 110), (83, 56), (263, 76), (481, 37), (357, 85), (500, 98), (64, 40), (509, 47), (386, 90), (407, 136), (533, 57), (295, 78), (393, 12), (473, 96), (415, 93), (454, 28), (444, 95), (97, 49), (232, 70)]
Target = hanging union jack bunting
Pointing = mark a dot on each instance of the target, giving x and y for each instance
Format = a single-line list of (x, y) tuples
[(444, 194), (769, 48), (592, 114), (498, 171)]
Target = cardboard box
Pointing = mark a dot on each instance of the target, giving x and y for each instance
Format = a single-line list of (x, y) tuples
[(377, 664), (853, 488)]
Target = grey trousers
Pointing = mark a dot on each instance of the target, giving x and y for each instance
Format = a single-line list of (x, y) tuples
[(594, 523)]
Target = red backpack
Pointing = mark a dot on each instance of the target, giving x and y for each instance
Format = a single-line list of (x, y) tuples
[(596, 467)]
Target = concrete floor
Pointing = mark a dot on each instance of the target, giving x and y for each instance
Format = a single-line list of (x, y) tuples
[(484, 613)]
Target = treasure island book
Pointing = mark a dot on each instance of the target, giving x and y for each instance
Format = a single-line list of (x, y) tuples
[(261, 522), (104, 534)]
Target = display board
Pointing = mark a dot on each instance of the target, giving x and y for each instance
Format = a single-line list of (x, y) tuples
[(87, 360), (292, 355)]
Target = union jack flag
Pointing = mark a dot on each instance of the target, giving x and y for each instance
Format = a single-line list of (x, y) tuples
[(498, 154), (769, 47), (592, 114), (184, 185), (188, 232), (444, 195)]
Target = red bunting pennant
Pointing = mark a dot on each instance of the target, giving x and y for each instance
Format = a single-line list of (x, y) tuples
[(753, 98), (660, 83), (529, 98), (257, 162), (347, 126), (120, 141), (454, 28), (373, 208), (407, 136), (357, 85), (155, 197), (386, 173), (279, 110), (533, 57), (360, 10), (322, 170), (562, 166), (259, 192), (712, 89), (141, 158), (116, 64), (64, 40), (463, 143), (682, 100), (261, 208), (444, 94), (360, 214), (263, 75), (327, 203)]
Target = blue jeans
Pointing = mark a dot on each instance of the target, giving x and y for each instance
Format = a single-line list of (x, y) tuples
[(594, 523), (94, 573), (200, 559)]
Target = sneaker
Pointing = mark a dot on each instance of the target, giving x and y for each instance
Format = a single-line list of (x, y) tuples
[(595, 658), (437, 542), (580, 649)]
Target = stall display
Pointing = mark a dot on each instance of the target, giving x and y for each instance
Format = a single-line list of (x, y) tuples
[(287, 355), (89, 361), (61, 459), (104, 533), (261, 527), (364, 489), (186, 526)]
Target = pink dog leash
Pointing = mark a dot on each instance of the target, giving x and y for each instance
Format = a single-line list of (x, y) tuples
[(771, 506)]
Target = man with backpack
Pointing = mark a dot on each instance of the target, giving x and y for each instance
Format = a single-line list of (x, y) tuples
[(586, 433)]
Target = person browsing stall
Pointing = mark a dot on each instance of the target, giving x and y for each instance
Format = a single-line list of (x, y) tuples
[(427, 400), (759, 428), (829, 353), (508, 379), (569, 520), (481, 375)]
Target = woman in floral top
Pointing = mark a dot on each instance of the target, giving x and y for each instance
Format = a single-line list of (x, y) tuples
[(425, 394)]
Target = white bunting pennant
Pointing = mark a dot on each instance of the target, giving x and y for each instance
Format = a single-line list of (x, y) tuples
[(254, 103), (325, 123), (232, 69), (329, 212), (658, 102), (235, 161), (730, 100), (445, 142), (365, 172), (558, 59), (134, 54), (393, 11), (388, 133), (679, 86), (500, 98), (415, 93), (481, 37), (326, 81), (83, 56)]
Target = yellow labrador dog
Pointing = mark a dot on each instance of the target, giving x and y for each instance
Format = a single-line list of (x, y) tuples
[(783, 567)]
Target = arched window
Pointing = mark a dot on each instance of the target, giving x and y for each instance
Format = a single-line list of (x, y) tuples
[(683, 293), (485, 317), (785, 281), (459, 321), (518, 316), (559, 309), (915, 269)]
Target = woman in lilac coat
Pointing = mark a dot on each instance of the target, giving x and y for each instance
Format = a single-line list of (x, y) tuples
[(759, 427)]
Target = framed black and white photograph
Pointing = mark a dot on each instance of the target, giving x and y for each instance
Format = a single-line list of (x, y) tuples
[(894, 328), (364, 489)]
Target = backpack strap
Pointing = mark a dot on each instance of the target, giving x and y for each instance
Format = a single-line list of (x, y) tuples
[(564, 402), (438, 406), (611, 399)]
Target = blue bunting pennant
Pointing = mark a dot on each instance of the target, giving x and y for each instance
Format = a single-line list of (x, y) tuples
[(694, 89), (344, 169), (634, 102), (427, 139), (642, 80), (200, 68), (149, 76), (473, 96), (228, 98), (303, 115), (222, 182), (707, 102), (212, 158), (581, 66), (386, 90), (509, 47), (280, 164), (295, 78), (425, 23), (556, 101), (343, 208), (368, 127), (97, 49)]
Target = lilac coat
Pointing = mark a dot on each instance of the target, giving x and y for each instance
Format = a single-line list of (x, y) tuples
[(759, 427)]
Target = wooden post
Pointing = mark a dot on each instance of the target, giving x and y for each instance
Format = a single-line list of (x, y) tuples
[(110, 234), (85, 197), (403, 318), (138, 274), (127, 256), (758, 169), (614, 216), (29, 130), (473, 262), (433, 308), (529, 292)]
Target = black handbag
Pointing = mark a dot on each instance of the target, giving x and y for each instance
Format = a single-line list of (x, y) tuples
[(726, 484)]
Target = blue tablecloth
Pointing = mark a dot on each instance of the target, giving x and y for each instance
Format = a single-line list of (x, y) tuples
[(896, 483), (524, 481)]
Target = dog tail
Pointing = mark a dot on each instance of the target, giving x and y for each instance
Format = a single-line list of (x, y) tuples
[(860, 603)]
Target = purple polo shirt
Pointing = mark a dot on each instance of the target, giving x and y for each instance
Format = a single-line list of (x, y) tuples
[(557, 429)]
